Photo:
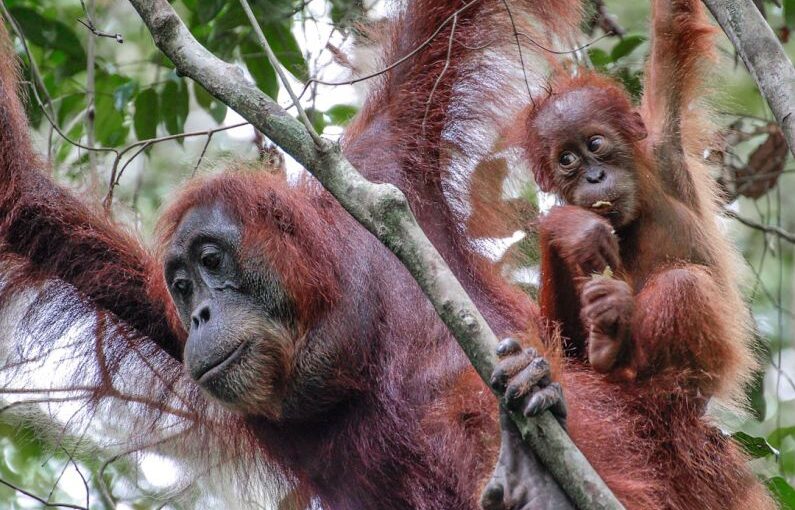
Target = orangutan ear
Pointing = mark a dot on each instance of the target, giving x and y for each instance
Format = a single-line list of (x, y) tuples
[(637, 127), (543, 177)]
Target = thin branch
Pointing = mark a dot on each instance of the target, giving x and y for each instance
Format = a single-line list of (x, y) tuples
[(99, 33), (606, 21), (519, 49), (41, 500), (764, 58), (564, 52), (36, 78), (89, 23), (767, 229), (278, 67), (203, 152), (396, 63), (90, 96), (441, 74), (46, 108), (115, 174), (70, 460), (384, 211), (83, 478)]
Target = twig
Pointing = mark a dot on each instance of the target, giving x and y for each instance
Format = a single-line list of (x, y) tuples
[(278, 67), (90, 96), (396, 63), (89, 24), (103, 486), (70, 460), (116, 175), (37, 80), (605, 20), (41, 500), (204, 151), (80, 473), (441, 74), (519, 49), (768, 229), (564, 52)]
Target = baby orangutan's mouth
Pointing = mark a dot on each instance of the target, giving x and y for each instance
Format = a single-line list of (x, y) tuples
[(602, 205)]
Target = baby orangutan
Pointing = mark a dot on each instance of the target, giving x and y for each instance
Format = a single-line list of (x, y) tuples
[(634, 271)]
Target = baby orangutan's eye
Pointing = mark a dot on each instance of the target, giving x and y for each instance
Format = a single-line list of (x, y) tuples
[(596, 143), (568, 160)]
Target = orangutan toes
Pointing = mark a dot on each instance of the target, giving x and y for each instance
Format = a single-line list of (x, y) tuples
[(523, 376)]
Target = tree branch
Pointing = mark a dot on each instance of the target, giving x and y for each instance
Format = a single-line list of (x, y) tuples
[(764, 57), (384, 211), (767, 229), (41, 501)]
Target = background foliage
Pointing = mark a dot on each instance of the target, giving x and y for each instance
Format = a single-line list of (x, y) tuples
[(158, 129)]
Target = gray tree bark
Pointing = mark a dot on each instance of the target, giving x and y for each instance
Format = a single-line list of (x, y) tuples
[(763, 55)]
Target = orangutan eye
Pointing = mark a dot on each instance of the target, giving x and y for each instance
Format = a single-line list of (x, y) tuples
[(568, 160), (211, 258), (596, 143), (182, 286)]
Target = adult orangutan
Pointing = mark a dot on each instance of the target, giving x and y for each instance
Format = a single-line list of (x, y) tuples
[(329, 362)]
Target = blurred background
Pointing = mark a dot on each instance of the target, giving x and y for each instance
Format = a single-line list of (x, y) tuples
[(95, 80)]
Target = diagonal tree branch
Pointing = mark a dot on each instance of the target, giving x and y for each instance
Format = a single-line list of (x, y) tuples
[(764, 57), (384, 211)]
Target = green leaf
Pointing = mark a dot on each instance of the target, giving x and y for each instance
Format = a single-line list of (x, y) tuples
[(174, 106), (782, 491), (756, 447), (206, 10), (123, 94), (214, 107), (259, 67), (65, 148), (33, 25), (69, 106), (286, 49), (317, 119), (599, 58), (626, 46), (777, 436), (52, 34), (631, 80), (789, 13), (109, 125), (147, 114), (341, 114), (344, 12)]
